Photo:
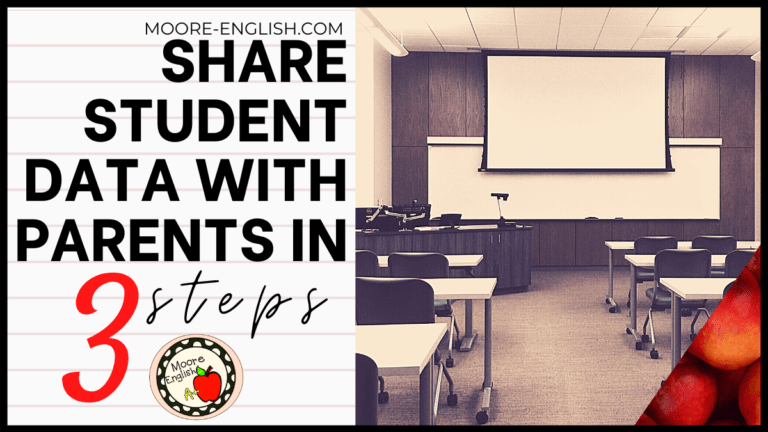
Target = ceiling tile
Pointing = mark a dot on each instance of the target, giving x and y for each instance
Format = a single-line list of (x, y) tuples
[(398, 20), (431, 48), (576, 43), (463, 40), (537, 37), (718, 16), (624, 32), (693, 45), (629, 16), (495, 30), (675, 16), (743, 32), (661, 32), (752, 49), (585, 32), (617, 44), (419, 40), (455, 48), (574, 16), (492, 15), (704, 32), (537, 16), (728, 46), (453, 21), (654, 44), (507, 42)]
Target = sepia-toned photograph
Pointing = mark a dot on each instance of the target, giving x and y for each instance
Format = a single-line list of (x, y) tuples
[(550, 205)]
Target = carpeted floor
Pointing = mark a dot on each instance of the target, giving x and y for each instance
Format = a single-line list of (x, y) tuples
[(559, 357)]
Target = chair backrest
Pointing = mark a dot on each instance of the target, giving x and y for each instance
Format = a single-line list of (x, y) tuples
[(651, 245), (366, 264), (736, 260), (727, 287), (366, 391), (694, 263), (393, 301), (418, 265), (718, 245)]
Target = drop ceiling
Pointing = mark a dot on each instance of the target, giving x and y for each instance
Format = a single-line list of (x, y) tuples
[(686, 31)]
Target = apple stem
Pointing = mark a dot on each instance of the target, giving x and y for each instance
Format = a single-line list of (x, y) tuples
[(209, 370)]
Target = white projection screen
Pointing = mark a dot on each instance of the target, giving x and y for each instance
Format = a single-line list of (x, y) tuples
[(576, 112)]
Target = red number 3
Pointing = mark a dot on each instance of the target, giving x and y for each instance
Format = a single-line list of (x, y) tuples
[(84, 302)]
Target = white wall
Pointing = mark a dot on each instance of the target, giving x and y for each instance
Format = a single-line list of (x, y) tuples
[(373, 151)]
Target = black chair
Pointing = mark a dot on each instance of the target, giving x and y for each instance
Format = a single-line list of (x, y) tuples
[(691, 263), (424, 266), (398, 301), (718, 245), (650, 245), (366, 373), (366, 264), (736, 260)]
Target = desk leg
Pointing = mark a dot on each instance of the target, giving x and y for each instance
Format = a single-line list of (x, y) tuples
[(632, 326), (676, 334), (482, 416), (609, 298), (426, 416), (469, 333)]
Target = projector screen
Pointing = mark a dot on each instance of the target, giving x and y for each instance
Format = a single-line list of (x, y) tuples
[(576, 111)]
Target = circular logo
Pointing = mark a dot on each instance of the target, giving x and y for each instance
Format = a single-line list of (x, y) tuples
[(196, 377)]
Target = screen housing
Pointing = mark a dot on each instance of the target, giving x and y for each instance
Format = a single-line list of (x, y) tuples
[(633, 54)]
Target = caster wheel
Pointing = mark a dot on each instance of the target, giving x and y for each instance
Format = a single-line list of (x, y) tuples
[(638, 346), (654, 354), (453, 400), (612, 309), (628, 331), (607, 301), (449, 362), (646, 338), (685, 312), (482, 417), (383, 397)]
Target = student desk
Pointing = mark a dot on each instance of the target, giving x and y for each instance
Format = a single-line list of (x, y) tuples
[(630, 245), (411, 355), (690, 289), (457, 262), (648, 261), (471, 289)]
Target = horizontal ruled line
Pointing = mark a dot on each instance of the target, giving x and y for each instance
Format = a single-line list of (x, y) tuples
[(156, 406), (176, 334), (145, 370), (185, 190), (210, 9), (156, 298)]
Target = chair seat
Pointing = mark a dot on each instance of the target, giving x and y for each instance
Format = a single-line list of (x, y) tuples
[(443, 308), (644, 274), (664, 300)]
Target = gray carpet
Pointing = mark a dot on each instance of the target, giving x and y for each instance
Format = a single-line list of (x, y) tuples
[(559, 357)]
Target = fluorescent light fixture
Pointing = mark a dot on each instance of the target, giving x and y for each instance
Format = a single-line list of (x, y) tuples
[(756, 57), (381, 34)]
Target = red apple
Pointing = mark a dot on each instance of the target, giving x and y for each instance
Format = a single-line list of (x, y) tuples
[(749, 394), (207, 384), (687, 397), (728, 381), (645, 420)]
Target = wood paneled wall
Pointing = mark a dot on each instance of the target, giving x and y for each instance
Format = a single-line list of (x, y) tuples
[(443, 94)]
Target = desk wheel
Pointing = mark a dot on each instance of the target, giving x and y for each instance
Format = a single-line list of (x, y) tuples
[(482, 417), (654, 354), (638, 346), (607, 301), (612, 309), (383, 397), (629, 331), (449, 362), (693, 336), (453, 399), (646, 338)]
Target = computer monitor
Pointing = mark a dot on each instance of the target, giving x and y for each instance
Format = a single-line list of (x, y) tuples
[(450, 219)]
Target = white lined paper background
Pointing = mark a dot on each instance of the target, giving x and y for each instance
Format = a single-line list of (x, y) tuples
[(58, 61)]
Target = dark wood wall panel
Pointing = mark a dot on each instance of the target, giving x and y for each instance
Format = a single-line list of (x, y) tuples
[(410, 100), (737, 101), (557, 243), (701, 98), (475, 95), (675, 95), (409, 174), (590, 242), (737, 192), (447, 94), (672, 228), (534, 240), (626, 230), (697, 228)]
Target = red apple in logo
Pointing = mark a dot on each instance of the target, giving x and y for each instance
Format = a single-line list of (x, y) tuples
[(207, 384)]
